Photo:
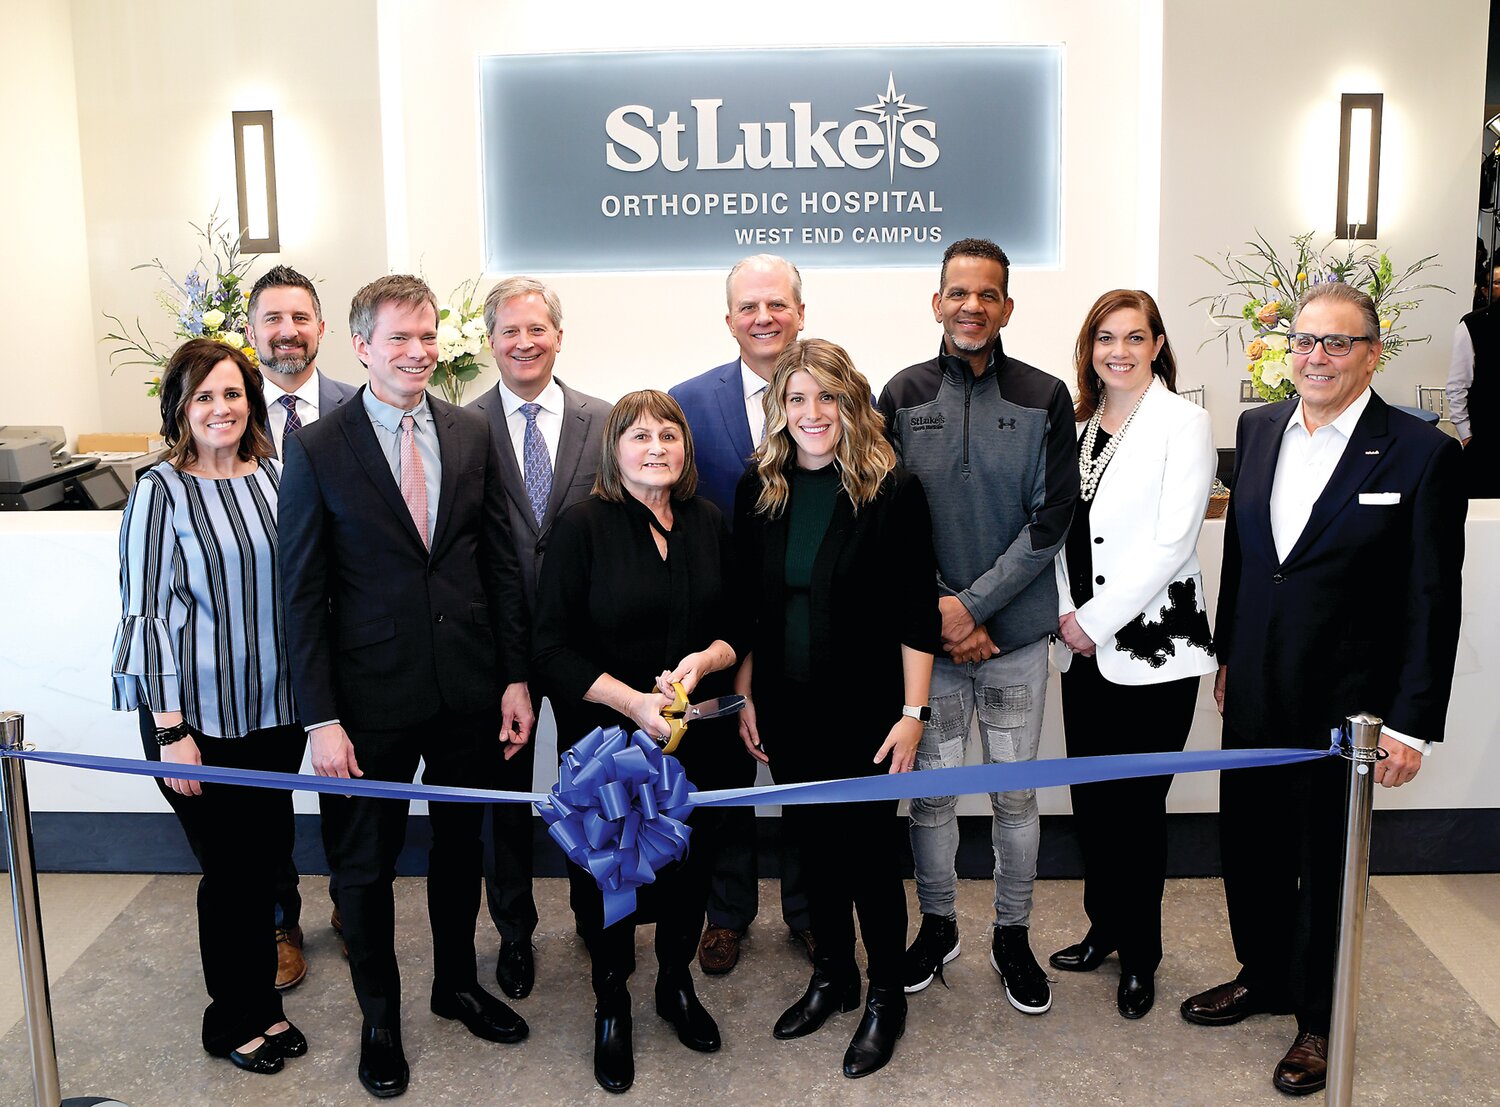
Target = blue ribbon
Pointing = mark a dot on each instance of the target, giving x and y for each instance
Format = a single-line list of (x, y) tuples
[(619, 810), (620, 804)]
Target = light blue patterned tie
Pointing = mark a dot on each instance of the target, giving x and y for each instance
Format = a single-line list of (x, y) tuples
[(538, 463)]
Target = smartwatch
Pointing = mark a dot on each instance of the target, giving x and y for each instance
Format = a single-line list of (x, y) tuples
[(922, 714)]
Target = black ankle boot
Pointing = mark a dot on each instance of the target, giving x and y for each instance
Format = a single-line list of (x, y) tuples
[(678, 1004), (884, 1021), (827, 994), (614, 1059)]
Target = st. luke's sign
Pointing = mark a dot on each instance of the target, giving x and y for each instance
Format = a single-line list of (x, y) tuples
[(693, 159)]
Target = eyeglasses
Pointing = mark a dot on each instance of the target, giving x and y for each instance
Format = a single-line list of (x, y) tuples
[(1334, 345)]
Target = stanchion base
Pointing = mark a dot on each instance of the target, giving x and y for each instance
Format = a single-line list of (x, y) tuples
[(93, 1101)]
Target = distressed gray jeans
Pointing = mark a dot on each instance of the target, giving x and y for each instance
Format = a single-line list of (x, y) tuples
[(1010, 692)]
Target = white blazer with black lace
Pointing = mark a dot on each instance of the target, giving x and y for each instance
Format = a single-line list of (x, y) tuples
[(1148, 617)]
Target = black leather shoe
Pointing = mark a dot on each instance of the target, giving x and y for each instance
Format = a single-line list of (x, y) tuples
[(515, 972), (614, 1059), (1082, 956), (290, 1042), (1304, 1069), (382, 1063), (825, 996), (266, 1058), (678, 1004), (1225, 1005), (1135, 995), (883, 1023), (484, 1015)]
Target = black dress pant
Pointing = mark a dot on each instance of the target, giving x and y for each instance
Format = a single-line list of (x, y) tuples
[(734, 889), (1122, 824), (240, 836), (363, 837), (509, 862), (1281, 833), (850, 851)]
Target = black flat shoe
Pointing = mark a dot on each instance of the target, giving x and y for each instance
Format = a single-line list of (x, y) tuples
[(824, 997), (382, 1062), (485, 1016), (1135, 995), (874, 1042), (1082, 956), (515, 971), (614, 1058), (678, 1004), (264, 1059), (291, 1041)]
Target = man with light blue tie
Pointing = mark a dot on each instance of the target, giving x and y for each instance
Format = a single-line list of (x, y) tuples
[(548, 438), (727, 421), (286, 328)]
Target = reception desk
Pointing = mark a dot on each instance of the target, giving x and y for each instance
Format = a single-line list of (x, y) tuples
[(60, 603)]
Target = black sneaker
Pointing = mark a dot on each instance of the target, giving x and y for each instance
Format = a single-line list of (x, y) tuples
[(1025, 982), (936, 945)]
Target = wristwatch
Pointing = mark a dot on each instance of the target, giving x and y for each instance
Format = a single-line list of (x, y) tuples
[(921, 714)]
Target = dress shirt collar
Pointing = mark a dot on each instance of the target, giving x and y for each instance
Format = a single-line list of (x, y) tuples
[(389, 416), (750, 381), (1344, 424), (307, 392), (551, 398)]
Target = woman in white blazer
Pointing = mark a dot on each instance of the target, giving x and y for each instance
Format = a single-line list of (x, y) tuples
[(1133, 628)]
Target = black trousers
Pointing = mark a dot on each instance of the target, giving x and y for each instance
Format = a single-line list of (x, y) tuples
[(850, 851), (1122, 824), (509, 862), (1281, 832), (241, 837), (363, 837), (734, 888)]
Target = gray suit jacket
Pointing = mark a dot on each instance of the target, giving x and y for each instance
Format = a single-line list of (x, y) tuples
[(332, 393), (572, 475)]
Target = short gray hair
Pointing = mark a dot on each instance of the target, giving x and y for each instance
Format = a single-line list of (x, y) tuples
[(513, 288), (768, 260), (400, 288), (1344, 294)]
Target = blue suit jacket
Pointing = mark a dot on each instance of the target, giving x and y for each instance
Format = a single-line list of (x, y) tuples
[(1363, 614), (714, 403)]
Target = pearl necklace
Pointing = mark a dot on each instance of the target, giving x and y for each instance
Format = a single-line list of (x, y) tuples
[(1091, 469)]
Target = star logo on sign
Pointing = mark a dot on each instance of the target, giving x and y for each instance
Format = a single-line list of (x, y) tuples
[(890, 110)]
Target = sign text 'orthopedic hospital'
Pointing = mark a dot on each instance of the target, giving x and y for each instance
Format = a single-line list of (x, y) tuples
[(613, 162)]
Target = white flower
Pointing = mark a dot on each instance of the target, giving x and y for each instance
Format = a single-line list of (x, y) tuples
[(474, 328), (1275, 342), (1273, 374), (213, 319)]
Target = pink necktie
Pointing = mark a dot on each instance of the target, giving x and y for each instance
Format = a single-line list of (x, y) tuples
[(413, 478)]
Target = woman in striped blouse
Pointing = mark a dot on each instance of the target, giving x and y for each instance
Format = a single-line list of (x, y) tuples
[(201, 656)]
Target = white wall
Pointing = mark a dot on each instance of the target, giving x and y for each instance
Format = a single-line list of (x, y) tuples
[(49, 374), (1250, 126)]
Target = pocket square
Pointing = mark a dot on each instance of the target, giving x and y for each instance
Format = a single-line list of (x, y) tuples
[(1380, 498)]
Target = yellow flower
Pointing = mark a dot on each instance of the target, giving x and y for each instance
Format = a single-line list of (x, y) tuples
[(1275, 282), (1255, 349), (1268, 314), (1302, 276), (1385, 324)]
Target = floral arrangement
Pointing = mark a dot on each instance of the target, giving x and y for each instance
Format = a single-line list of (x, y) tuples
[(460, 340), (1265, 292), (209, 302)]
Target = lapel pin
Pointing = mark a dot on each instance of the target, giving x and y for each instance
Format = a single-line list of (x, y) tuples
[(1372, 453)]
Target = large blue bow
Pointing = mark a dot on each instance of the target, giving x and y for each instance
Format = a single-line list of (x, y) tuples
[(617, 809)]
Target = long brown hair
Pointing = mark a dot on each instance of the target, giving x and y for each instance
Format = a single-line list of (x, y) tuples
[(609, 485), (1089, 385), (863, 455), (194, 360)]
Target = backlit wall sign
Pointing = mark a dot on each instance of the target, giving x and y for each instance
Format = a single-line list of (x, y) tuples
[(692, 159)]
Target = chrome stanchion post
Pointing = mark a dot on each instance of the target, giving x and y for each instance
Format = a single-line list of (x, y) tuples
[(1361, 746), (36, 1002)]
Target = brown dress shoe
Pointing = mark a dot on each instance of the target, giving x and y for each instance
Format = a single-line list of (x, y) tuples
[(809, 944), (719, 951), (336, 921), (1225, 1005), (1304, 1069), (291, 966)]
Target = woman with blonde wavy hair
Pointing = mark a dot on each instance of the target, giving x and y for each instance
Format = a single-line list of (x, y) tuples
[(838, 583)]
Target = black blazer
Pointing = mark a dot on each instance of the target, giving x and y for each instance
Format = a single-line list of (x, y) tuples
[(382, 632), (572, 475), (874, 589), (1363, 615)]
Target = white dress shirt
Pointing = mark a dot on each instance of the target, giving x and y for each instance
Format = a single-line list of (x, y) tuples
[(1460, 380), (755, 391), (549, 420), (1303, 468), (307, 405)]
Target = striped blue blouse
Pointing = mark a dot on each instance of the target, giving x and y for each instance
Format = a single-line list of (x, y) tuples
[(202, 630)]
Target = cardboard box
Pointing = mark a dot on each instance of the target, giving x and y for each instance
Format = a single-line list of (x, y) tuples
[(143, 442)]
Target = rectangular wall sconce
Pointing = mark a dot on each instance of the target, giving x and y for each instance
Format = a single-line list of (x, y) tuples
[(1359, 165), (255, 181)]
